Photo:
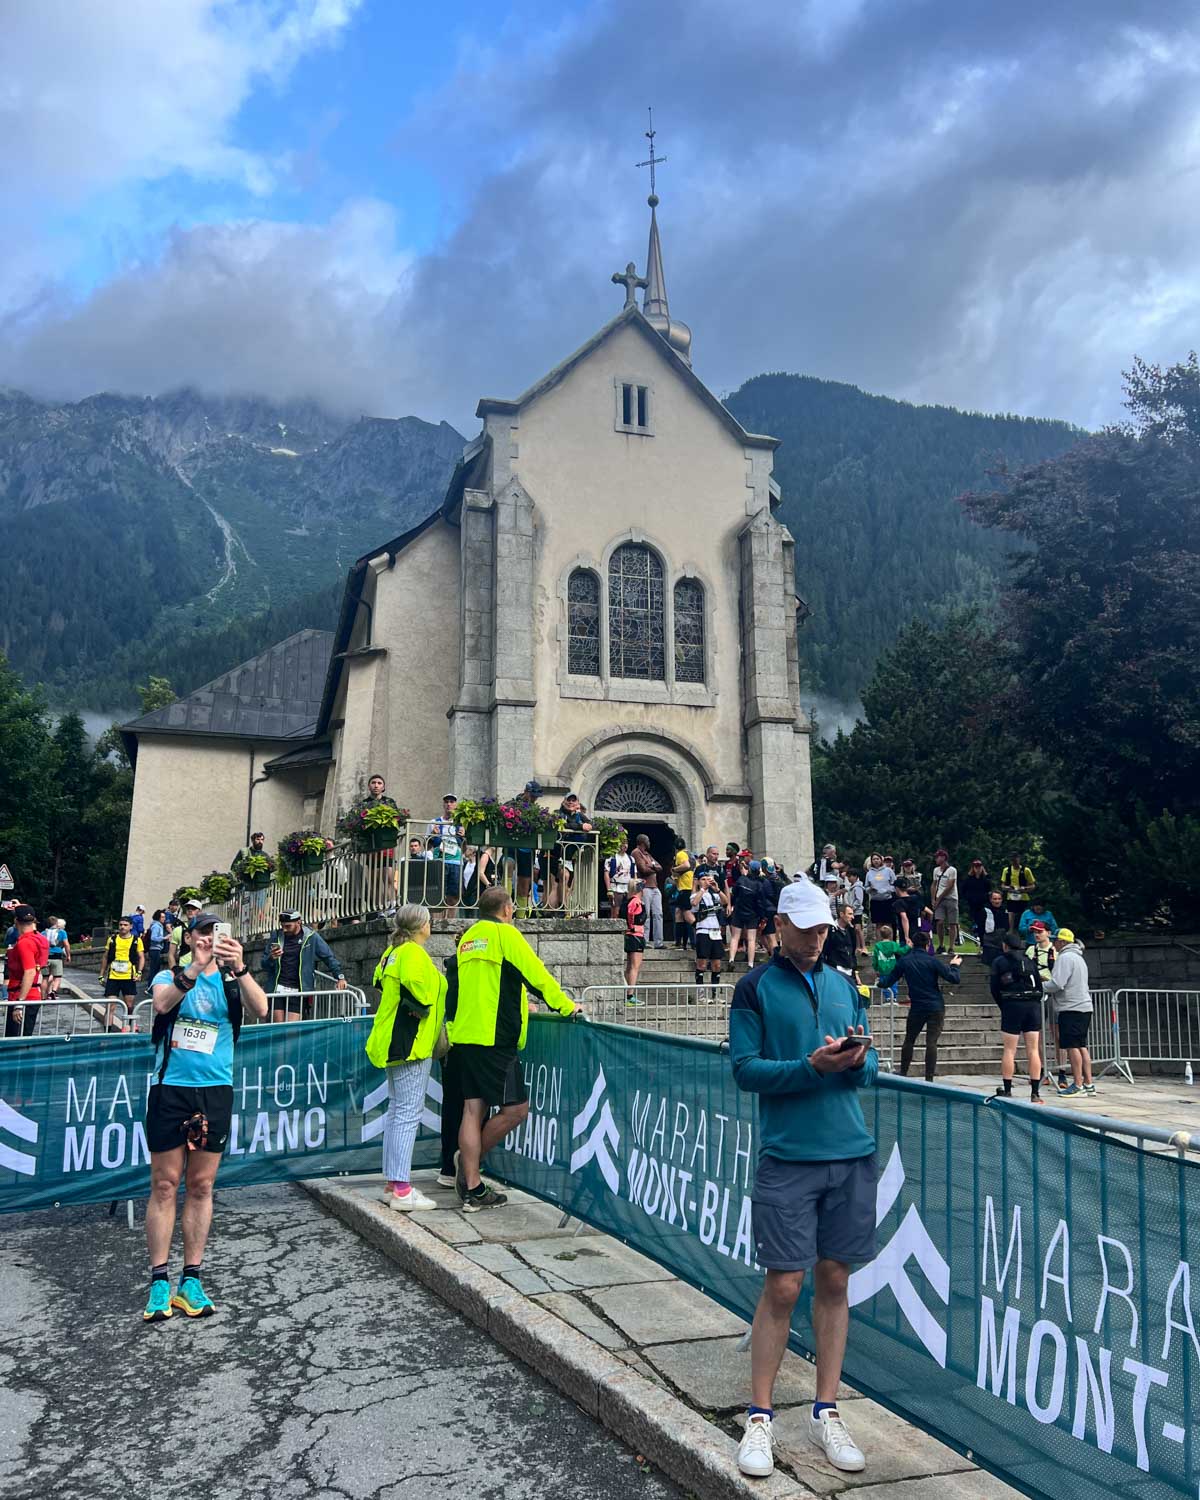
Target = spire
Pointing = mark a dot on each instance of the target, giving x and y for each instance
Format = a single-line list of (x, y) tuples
[(654, 299)]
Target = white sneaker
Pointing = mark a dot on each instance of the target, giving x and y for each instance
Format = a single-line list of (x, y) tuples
[(412, 1201), (829, 1433), (755, 1454), (445, 1179)]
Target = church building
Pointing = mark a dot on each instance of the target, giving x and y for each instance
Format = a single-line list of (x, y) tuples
[(604, 602)]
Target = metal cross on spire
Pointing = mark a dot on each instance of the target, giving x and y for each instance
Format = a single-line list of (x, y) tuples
[(652, 161)]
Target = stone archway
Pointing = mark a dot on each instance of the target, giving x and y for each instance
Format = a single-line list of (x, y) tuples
[(634, 792)]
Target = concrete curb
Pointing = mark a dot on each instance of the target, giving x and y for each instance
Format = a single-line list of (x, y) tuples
[(696, 1454)]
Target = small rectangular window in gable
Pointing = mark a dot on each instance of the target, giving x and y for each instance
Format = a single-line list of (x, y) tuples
[(627, 405), (641, 406), (634, 410)]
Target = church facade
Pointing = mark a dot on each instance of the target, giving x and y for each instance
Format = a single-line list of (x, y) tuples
[(604, 603)]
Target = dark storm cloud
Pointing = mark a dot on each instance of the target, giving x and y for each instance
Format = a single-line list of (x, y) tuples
[(993, 206)]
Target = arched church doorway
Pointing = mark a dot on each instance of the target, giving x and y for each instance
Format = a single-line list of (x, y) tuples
[(641, 804)]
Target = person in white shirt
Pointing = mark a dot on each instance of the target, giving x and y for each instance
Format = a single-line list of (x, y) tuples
[(618, 871), (944, 893)]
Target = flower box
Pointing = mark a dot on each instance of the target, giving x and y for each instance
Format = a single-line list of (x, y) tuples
[(255, 882), (372, 840), (304, 864), (483, 834)]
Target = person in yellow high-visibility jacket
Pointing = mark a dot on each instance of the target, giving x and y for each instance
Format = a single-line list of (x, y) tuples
[(497, 970)]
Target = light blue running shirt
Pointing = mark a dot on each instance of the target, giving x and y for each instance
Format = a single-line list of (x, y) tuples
[(205, 1004)]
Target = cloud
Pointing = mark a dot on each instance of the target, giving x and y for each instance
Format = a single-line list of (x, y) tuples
[(280, 309), (97, 94), (993, 207)]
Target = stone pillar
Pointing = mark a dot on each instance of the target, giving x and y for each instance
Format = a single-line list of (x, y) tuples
[(514, 694), (470, 723), (769, 708)]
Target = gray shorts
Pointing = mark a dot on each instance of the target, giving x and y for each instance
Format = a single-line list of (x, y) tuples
[(806, 1211), (946, 910)]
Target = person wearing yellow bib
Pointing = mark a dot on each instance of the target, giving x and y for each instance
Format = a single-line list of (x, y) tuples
[(120, 971), (407, 1026)]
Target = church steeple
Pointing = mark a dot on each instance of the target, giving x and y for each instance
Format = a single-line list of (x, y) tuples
[(654, 299)]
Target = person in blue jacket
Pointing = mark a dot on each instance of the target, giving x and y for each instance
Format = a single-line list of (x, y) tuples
[(797, 1039), (921, 970), (289, 967), (1036, 913)]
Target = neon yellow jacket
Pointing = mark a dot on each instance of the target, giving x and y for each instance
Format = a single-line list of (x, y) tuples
[(495, 968), (412, 1009)]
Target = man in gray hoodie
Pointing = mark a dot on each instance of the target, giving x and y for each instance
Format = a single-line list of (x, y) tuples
[(1067, 988)]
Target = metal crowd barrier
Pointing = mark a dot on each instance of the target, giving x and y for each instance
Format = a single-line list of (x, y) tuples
[(1151, 1026), (562, 881), (325, 1005), (681, 1009), (62, 1019)]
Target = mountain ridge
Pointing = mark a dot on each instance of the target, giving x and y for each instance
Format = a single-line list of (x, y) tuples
[(180, 528)]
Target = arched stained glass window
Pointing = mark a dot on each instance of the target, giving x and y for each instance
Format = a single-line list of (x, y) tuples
[(689, 631), (635, 614), (583, 623), (631, 792)]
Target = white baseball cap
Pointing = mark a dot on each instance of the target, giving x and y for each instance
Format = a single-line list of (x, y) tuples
[(804, 904)]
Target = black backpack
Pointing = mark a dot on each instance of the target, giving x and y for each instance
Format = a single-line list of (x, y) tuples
[(1021, 980)]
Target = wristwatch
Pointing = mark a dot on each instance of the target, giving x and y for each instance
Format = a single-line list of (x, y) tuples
[(242, 972), (180, 980)]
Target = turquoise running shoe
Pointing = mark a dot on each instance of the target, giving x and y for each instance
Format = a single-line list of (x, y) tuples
[(158, 1305), (190, 1298)]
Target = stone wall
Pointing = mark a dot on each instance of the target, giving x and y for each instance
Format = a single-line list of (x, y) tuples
[(577, 952), (1148, 963)]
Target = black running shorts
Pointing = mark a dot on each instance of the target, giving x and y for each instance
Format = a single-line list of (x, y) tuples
[(709, 947), (169, 1108), (492, 1074), (1019, 1016)]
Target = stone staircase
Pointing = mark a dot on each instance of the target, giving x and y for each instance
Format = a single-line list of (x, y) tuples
[(970, 1043)]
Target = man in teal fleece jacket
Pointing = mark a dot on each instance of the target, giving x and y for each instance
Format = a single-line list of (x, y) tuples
[(814, 1187)]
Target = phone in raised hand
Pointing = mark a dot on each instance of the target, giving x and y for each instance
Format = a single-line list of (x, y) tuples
[(848, 1043)]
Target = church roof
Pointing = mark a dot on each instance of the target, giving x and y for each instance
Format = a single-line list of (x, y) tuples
[(635, 318), (273, 696)]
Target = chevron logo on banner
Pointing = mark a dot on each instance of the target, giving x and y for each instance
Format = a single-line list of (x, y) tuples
[(890, 1267), (603, 1137), (431, 1117), (12, 1123), (372, 1100)]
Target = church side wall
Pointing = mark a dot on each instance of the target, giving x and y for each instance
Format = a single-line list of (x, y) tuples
[(684, 491), (417, 620), (189, 812)]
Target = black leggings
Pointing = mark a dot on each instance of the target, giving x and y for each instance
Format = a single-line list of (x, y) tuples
[(452, 1112), (931, 1022)]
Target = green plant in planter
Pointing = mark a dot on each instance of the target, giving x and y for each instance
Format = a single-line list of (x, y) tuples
[(187, 893), (610, 834), (302, 852), (470, 811), (216, 887), (255, 871)]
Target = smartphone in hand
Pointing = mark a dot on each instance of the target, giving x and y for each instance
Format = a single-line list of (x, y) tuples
[(848, 1043)]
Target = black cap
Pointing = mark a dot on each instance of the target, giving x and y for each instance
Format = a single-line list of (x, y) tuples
[(24, 914), (1013, 940), (202, 919)]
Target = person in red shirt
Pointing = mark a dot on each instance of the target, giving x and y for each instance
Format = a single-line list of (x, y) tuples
[(23, 965)]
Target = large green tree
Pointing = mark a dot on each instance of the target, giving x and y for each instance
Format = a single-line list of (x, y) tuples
[(64, 810), (936, 759), (1102, 616)]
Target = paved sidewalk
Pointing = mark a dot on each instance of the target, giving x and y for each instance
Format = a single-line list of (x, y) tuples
[(652, 1357), (1165, 1102)]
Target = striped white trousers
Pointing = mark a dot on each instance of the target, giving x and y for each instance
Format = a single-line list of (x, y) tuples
[(406, 1098)]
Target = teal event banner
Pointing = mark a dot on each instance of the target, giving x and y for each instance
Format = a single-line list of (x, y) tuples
[(1031, 1302)]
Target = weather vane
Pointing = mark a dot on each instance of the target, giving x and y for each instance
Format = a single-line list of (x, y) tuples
[(652, 161)]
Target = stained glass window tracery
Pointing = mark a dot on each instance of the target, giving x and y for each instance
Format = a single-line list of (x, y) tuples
[(689, 630), (636, 646), (583, 623)]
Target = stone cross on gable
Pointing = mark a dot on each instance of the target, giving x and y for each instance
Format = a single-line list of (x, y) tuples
[(631, 281)]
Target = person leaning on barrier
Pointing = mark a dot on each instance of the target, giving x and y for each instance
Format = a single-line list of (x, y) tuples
[(403, 1038), (1016, 988), (189, 1108), (1068, 989), (797, 1040), (289, 967), (496, 969)]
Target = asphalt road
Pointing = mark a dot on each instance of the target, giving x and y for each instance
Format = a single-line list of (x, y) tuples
[(326, 1373)]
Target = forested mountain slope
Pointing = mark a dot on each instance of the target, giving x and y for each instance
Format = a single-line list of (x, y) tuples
[(868, 492), (175, 535)]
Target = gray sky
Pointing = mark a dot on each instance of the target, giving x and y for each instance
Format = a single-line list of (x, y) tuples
[(988, 205)]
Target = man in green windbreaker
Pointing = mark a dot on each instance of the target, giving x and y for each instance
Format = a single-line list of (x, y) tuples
[(496, 970)]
